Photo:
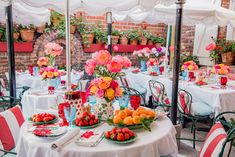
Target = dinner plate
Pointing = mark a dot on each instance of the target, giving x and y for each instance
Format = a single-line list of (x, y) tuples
[(49, 131), (42, 123), (133, 139)]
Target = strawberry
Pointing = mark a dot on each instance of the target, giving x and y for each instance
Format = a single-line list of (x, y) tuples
[(77, 121), (114, 130), (85, 123), (119, 130), (107, 134), (96, 121), (132, 134), (125, 130), (120, 137), (113, 136), (91, 122), (87, 118), (81, 123), (93, 117), (127, 136)]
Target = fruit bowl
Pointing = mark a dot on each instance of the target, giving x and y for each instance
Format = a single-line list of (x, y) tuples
[(133, 119), (120, 136), (43, 118), (86, 121)]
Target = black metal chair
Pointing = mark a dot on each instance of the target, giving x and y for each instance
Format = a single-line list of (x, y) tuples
[(7, 102), (158, 95), (194, 111)]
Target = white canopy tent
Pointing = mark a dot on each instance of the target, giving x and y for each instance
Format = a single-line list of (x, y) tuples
[(91, 7), (25, 15), (195, 12)]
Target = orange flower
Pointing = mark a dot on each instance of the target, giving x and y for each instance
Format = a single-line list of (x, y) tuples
[(109, 93), (103, 84), (118, 92), (50, 74), (102, 57), (93, 89)]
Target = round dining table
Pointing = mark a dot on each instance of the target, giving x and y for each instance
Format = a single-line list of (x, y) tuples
[(160, 141)]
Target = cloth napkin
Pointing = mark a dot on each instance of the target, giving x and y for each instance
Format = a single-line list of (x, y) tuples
[(58, 144)]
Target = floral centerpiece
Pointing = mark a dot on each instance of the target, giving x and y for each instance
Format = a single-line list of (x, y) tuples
[(143, 55), (152, 64), (105, 87), (220, 69), (187, 70), (52, 74), (42, 61)]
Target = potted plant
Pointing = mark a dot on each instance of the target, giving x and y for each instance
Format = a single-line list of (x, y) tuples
[(145, 35), (123, 38), (158, 41), (40, 29), (100, 35), (2, 30), (27, 32), (16, 34), (228, 56), (87, 33), (134, 37), (73, 24), (115, 36)]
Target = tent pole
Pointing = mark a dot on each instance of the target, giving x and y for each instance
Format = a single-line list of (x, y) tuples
[(166, 61), (179, 11), (68, 59), (109, 21), (10, 50)]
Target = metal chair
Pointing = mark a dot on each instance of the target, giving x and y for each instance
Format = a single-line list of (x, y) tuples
[(158, 95), (192, 110), (7, 102)]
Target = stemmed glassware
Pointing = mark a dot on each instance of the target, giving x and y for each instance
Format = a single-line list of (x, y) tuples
[(70, 114)]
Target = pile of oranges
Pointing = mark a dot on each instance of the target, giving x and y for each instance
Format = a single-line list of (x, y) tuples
[(132, 117)]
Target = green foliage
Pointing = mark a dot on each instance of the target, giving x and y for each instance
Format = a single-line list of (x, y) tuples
[(115, 32), (133, 34), (156, 39), (100, 34), (147, 34), (187, 56), (29, 27)]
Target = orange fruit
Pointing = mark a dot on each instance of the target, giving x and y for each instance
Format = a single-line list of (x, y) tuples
[(135, 113), (122, 114), (116, 112), (117, 119), (151, 113), (143, 115), (128, 111), (128, 121), (136, 119)]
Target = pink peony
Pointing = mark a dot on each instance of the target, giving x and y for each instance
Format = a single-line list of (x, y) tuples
[(89, 70), (210, 47), (127, 62), (90, 66), (114, 84), (114, 66), (115, 48), (119, 58), (100, 93), (102, 57), (53, 49)]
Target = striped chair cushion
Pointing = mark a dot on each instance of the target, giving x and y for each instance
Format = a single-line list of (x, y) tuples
[(11, 121), (184, 102), (214, 142)]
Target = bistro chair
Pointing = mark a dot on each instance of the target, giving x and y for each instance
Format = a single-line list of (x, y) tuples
[(220, 138), (125, 83), (7, 102), (159, 97), (192, 110), (11, 120)]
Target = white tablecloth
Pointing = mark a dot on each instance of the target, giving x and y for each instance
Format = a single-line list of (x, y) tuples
[(38, 99), (36, 82), (220, 99), (161, 141)]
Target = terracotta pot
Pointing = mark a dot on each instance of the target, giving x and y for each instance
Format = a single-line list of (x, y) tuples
[(143, 41), (54, 21), (150, 42), (115, 39), (16, 36), (27, 35), (228, 58), (72, 29), (133, 42), (90, 39), (123, 40), (158, 44), (41, 28)]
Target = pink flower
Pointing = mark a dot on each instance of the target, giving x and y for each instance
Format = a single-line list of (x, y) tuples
[(119, 58), (53, 49), (210, 47), (115, 48), (89, 70), (114, 84), (127, 62), (95, 81), (100, 93), (90, 66), (114, 66), (102, 57)]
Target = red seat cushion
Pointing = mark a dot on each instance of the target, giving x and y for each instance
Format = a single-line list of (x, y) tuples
[(11, 121)]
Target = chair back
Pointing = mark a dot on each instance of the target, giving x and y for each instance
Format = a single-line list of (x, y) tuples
[(132, 93), (124, 81), (157, 90), (7, 102), (217, 143), (184, 102), (11, 120)]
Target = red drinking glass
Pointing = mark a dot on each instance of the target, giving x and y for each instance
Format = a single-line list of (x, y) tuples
[(61, 113), (223, 80), (30, 68), (135, 101), (62, 82), (191, 75), (83, 96), (51, 89), (161, 69)]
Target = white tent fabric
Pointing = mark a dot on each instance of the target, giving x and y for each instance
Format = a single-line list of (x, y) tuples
[(26, 15), (195, 12), (97, 6)]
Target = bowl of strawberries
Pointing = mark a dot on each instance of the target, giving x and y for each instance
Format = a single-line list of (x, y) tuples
[(86, 121), (120, 135), (43, 118)]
